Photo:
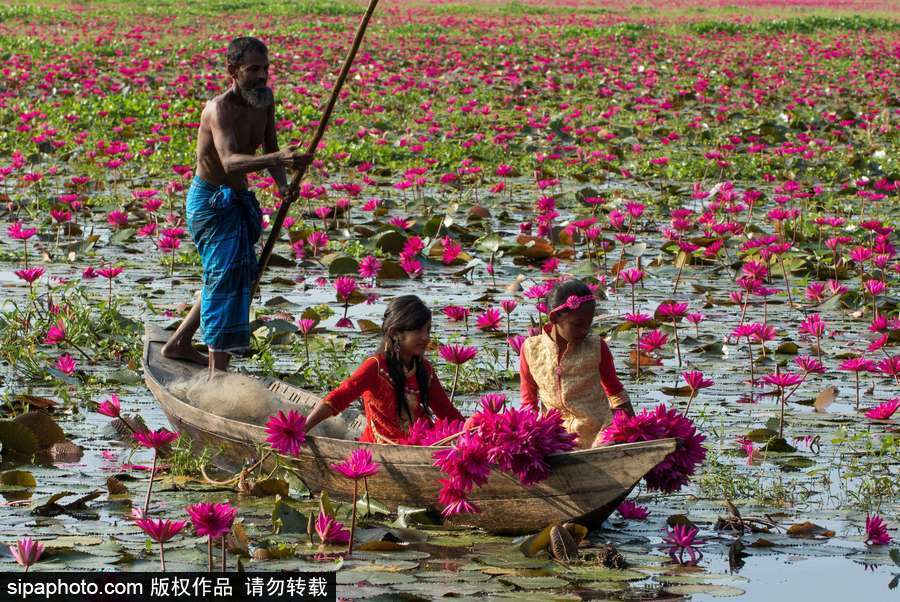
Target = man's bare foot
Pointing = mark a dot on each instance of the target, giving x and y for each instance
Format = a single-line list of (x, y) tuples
[(174, 351)]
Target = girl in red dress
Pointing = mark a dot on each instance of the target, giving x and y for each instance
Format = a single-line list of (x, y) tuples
[(568, 368), (397, 384)]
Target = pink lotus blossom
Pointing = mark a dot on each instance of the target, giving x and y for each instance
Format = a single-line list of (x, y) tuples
[(630, 510), (27, 551), (631, 276), (410, 265), (885, 410), (653, 341), (285, 432), (117, 218), (66, 364), (809, 364), (516, 342), (109, 273), (696, 381), (369, 266), (345, 286), (876, 531), (306, 325), (675, 470), (330, 530), (489, 319), (455, 313), (813, 325), (782, 380), (18, 231), (358, 465), (211, 520), (508, 305), (111, 407), (695, 317), (451, 251), (858, 364), (155, 439), (683, 538), (425, 432), (672, 310), (457, 354), (160, 530), (638, 319), (30, 275)]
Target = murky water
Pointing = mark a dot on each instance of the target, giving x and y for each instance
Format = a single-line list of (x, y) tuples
[(831, 488)]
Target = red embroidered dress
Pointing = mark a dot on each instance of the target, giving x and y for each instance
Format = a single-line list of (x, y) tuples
[(373, 382)]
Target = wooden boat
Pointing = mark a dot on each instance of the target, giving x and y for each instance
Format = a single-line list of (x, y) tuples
[(584, 486)]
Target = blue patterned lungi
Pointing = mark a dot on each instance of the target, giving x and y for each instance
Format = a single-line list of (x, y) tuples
[(225, 225)]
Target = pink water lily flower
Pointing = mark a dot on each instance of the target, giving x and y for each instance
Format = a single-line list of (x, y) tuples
[(630, 510), (27, 551), (358, 465), (111, 407), (155, 439), (696, 380), (489, 319), (885, 410), (330, 530), (684, 539), (212, 520), (876, 531), (286, 432), (457, 354), (66, 364), (160, 530)]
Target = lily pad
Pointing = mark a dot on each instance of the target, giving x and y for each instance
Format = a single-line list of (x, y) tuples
[(716, 591), (43, 426), (16, 438)]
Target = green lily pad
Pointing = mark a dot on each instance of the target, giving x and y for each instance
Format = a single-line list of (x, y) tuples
[(600, 573), (698, 578), (532, 583), (43, 426), (716, 591), (16, 438), (374, 577), (343, 264), (17, 479)]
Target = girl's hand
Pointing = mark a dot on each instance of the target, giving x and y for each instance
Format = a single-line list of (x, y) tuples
[(625, 407), (598, 441)]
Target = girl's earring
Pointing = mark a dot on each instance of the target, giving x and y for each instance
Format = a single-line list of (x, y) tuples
[(395, 347)]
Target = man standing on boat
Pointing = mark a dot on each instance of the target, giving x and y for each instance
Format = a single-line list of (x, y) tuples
[(223, 215)]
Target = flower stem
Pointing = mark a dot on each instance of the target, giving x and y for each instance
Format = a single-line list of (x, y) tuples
[(368, 502), (690, 400), (224, 557), (677, 345), (353, 518), (752, 376), (162, 558), (209, 554), (455, 379), (149, 489), (781, 420)]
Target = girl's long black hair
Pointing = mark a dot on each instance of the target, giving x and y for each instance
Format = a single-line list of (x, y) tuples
[(406, 312)]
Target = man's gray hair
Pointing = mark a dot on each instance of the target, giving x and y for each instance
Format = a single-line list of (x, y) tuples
[(238, 47)]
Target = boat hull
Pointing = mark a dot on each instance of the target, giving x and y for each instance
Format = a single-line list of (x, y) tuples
[(584, 486)]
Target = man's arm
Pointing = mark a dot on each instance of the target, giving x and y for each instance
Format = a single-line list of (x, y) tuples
[(270, 145), (234, 162)]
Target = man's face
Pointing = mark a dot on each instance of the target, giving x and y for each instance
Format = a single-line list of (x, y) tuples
[(251, 75)]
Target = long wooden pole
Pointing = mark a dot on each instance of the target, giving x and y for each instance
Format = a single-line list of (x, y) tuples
[(294, 188)]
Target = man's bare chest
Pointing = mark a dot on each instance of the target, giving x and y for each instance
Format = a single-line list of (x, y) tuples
[(248, 129)]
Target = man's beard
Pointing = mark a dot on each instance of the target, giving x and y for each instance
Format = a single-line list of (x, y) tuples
[(258, 98)]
